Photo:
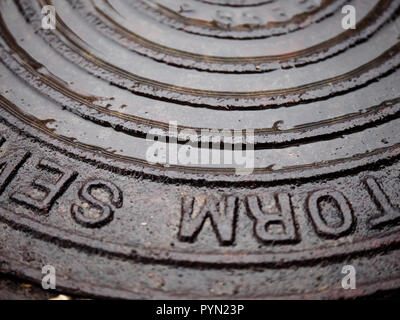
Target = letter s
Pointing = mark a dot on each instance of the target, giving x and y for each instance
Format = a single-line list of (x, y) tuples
[(106, 210)]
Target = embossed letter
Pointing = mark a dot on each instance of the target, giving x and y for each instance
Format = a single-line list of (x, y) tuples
[(9, 166), (342, 205), (390, 214), (82, 215), (222, 215), (51, 190), (282, 216)]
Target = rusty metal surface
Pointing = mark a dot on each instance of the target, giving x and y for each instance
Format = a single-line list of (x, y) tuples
[(78, 102)]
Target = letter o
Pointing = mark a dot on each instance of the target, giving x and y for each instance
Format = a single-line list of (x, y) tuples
[(315, 213)]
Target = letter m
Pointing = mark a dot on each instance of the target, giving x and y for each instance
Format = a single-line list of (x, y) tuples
[(221, 213), (9, 165)]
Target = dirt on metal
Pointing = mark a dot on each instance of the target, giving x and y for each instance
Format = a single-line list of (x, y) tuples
[(81, 105)]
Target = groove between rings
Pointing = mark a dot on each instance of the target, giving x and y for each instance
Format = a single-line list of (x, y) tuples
[(365, 29), (194, 175), (235, 260), (261, 170), (228, 3), (223, 100), (140, 127), (204, 28)]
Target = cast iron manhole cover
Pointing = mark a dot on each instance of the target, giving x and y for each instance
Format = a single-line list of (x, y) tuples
[(93, 183)]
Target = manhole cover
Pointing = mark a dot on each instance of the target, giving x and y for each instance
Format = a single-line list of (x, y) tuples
[(94, 184)]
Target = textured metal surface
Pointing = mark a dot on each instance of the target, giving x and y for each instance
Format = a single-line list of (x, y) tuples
[(77, 103)]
